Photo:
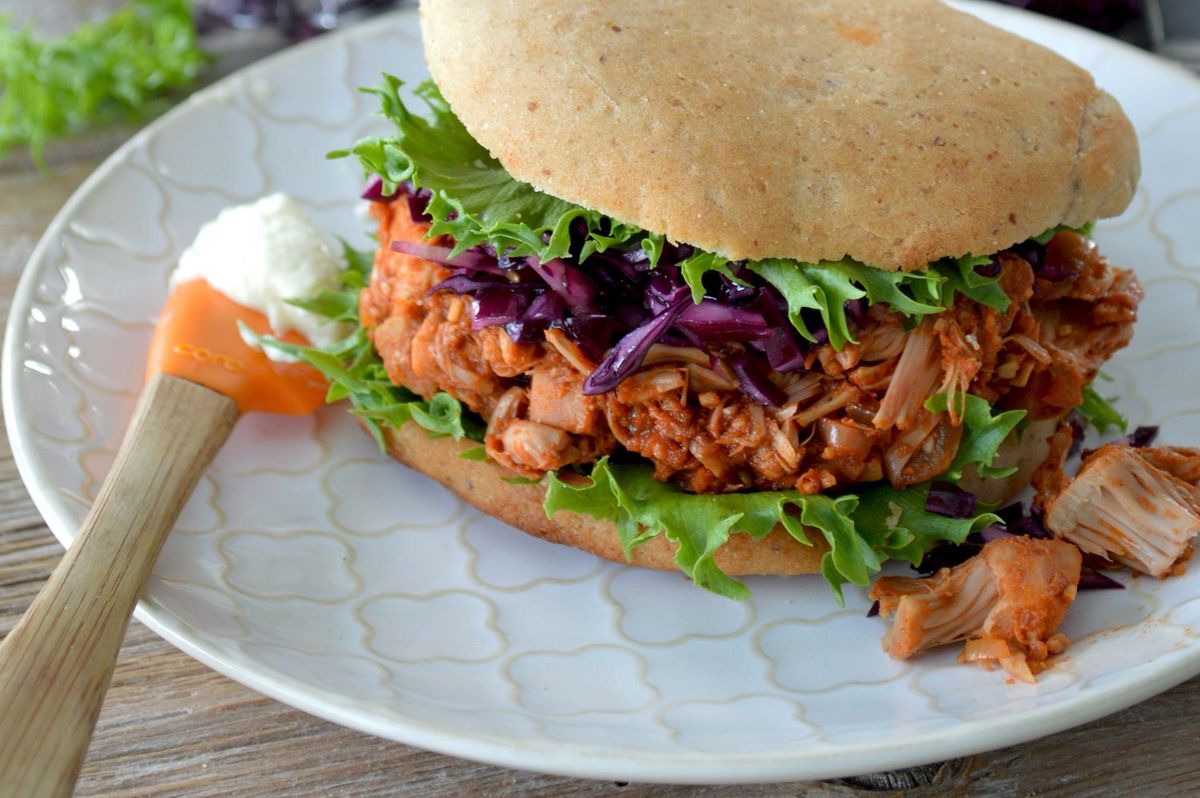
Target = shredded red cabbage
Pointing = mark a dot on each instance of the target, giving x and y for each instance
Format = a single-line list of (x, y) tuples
[(713, 321), (1091, 579), (1141, 437), (616, 307), (950, 500), (627, 356), (995, 532), (469, 282), (1015, 521), (471, 259), (418, 201), (494, 306), (590, 332), (1035, 255), (754, 380), (568, 281), (374, 190), (1078, 432), (856, 310), (618, 304), (1032, 524), (546, 308)]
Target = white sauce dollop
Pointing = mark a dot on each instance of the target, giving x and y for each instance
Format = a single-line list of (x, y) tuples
[(262, 254)]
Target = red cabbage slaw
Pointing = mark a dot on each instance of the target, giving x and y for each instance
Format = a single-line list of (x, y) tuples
[(618, 304)]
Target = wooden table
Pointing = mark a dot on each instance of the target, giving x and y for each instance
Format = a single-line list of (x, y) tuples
[(172, 726)]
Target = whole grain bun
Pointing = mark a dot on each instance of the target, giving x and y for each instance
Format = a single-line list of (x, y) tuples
[(895, 132), (480, 483)]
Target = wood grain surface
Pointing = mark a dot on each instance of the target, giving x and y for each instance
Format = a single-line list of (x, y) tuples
[(55, 666), (171, 726)]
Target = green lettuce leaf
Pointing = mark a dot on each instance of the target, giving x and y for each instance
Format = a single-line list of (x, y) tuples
[(960, 274), (342, 305), (474, 199), (1085, 231), (826, 288), (695, 267), (896, 523), (356, 373), (863, 530), (960, 277), (910, 293), (1100, 413), (982, 435)]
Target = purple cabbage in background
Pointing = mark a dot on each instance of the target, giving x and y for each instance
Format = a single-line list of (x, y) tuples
[(989, 269), (1035, 254), (1101, 15), (297, 19)]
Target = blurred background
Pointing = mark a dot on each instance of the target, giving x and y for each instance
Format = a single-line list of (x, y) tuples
[(73, 66)]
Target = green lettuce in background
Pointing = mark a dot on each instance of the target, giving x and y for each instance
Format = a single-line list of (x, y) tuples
[(108, 69)]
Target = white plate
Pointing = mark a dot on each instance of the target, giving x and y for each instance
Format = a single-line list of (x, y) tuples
[(314, 570)]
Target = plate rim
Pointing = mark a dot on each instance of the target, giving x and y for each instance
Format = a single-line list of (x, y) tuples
[(1128, 687)]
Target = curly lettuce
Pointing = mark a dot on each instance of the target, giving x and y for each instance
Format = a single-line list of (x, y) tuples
[(982, 435), (863, 530), (123, 65), (474, 199), (1100, 412)]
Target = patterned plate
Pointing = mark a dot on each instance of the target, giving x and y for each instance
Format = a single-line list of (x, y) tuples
[(313, 569)]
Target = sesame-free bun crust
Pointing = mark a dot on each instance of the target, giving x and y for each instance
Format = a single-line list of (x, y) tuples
[(481, 484), (895, 132)]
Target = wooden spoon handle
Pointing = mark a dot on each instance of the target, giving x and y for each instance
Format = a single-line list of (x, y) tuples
[(56, 664)]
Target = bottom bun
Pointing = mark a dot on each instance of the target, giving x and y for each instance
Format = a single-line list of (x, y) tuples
[(480, 483)]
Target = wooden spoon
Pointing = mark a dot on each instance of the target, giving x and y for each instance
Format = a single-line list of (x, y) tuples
[(56, 664)]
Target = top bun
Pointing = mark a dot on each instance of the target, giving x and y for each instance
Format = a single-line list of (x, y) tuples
[(895, 132)]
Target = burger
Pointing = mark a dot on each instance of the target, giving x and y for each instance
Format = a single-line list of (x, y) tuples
[(772, 287)]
